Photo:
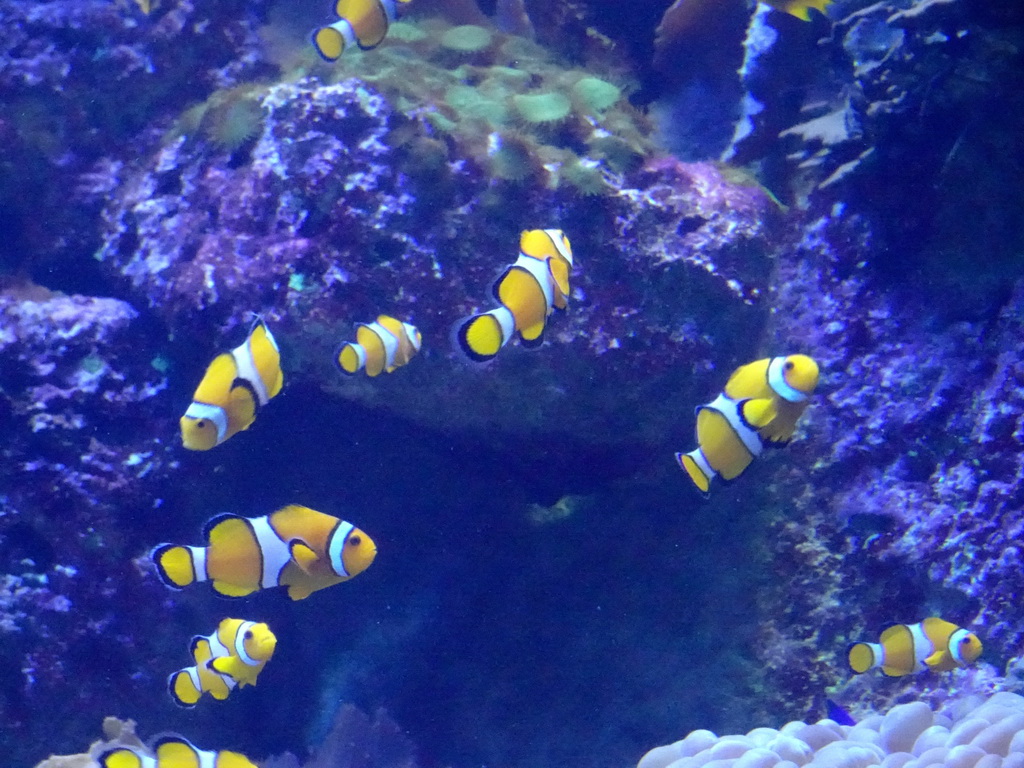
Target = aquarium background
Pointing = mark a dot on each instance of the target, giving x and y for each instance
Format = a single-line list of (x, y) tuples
[(737, 183)]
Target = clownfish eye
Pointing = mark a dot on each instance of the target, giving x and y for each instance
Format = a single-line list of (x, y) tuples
[(201, 423), (965, 641), (248, 634), (355, 541), (789, 365)]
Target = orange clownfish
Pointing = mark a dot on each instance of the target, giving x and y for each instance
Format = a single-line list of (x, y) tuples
[(383, 345), (800, 8), (529, 291), (361, 23), (761, 404), (170, 752), (295, 547), (932, 644), (233, 655), (235, 386)]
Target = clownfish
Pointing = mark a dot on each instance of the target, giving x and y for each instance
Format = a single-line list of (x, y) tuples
[(295, 547), (529, 291), (235, 386), (383, 345), (233, 655), (361, 23), (800, 8), (932, 644), (760, 404), (171, 752)]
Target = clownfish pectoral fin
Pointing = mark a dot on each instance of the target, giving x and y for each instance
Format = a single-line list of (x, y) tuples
[(758, 413), (183, 690), (224, 589), (226, 665), (303, 556), (935, 659), (694, 464)]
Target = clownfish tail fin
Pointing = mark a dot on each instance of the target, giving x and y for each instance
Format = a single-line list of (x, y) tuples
[(862, 657), (174, 565), (182, 689), (696, 466), (350, 357)]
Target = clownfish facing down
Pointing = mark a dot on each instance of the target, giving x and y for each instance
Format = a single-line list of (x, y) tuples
[(361, 23), (761, 404), (800, 8), (233, 655), (932, 644), (235, 386), (295, 547), (529, 291), (171, 752), (383, 345)]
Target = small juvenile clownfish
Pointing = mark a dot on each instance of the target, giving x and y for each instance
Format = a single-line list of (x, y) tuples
[(235, 386), (233, 655), (383, 345), (761, 403), (295, 547), (361, 23), (171, 752), (529, 291), (932, 644), (800, 8)]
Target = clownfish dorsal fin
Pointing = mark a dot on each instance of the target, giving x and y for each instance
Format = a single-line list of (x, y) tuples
[(215, 521), (303, 556), (758, 413)]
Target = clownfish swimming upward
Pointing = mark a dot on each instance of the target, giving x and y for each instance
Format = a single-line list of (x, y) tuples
[(529, 291), (361, 23), (235, 386), (171, 752), (760, 404), (233, 655), (383, 345), (295, 547), (933, 644)]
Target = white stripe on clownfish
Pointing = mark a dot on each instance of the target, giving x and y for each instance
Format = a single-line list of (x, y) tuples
[(275, 554), (777, 381), (336, 547), (212, 413), (923, 646), (557, 240), (240, 651), (954, 644), (387, 338), (199, 562), (246, 366), (730, 409)]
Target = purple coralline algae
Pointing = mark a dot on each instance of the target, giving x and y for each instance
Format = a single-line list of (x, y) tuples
[(83, 454), (325, 218), (904, 497)]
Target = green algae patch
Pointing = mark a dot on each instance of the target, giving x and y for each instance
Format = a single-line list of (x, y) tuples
[(466, 38), (594, 95), (540, 108)]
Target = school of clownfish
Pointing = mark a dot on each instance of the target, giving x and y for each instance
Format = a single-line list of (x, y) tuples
[(303, 551)]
